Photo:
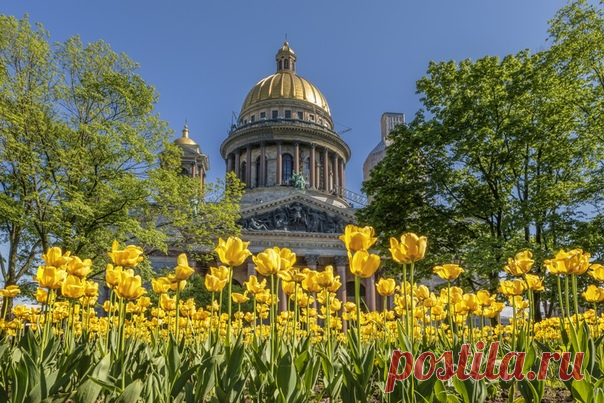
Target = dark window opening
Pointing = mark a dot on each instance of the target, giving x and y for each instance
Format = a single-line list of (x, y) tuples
[(262, 115), (288, 114), (275, 114), (288, 167), (300, 115)]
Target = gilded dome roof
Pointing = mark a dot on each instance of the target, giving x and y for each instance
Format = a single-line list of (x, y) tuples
[(285, 85), (185, 139)]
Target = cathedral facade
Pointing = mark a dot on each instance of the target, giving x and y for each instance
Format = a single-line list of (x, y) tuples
[(284, 148)]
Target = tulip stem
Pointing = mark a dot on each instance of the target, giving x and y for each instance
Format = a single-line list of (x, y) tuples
[(228, 335), (177, 330), (412, 305), (575, 299), (560, 299), (567, 300), (357, 292)]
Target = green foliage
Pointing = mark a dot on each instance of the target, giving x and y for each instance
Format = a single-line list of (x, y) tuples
[(504, 155), (84, 158)]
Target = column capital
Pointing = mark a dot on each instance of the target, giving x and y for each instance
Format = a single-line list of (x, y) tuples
[(311, 260), (340, 260)]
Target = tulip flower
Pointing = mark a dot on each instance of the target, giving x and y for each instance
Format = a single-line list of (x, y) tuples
[(253, 286), (239, 298), (54, 257), (597, 272), (129, 257), (160, 285), (364, 264), (92, 289), (386, 287), (129, 286), (214, 284), (73, 287), (167, 303), (78, 267), (511, 288), (448, 272), (288, 287), (325, 278), (411, 248), (50, 277), (10, 292), (182, 271), (535, 283), (484, 297), (41, 295), (521, 264), (309, 284), (274, 260), (233, 251), (356, 238), (593, 294)]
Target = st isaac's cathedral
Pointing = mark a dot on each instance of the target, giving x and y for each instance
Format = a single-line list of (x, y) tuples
[(284, 148)]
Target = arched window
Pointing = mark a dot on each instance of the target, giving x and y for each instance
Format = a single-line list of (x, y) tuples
[(286, 64), (287, 167), (280, 65), (243, 172), (307, 169)]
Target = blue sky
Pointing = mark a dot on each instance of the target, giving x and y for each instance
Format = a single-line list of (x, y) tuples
[(365, 56)]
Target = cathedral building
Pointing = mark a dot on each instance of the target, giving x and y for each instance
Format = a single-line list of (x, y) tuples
[(292, 161)]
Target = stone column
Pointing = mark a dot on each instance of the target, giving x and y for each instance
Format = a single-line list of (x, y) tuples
[(326, 169), (343, 176), (279, 164), (248, 169), (250, 267), (341, 262), (312, 165), (262, 164), (370, 293), (297, 157), (282, 299), (229, 162), (237, 164), (335, 167)]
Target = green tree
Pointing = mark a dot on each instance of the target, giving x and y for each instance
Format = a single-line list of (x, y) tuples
[(85, 160), (493, 164)]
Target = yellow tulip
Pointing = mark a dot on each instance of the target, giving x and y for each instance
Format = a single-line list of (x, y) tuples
[(288, 287), (10, 292), (511, 288), (356, 238), (422, 292), (50, 277), (448, 272), (364, 264), (92, 289), (214, 284), (484, 297), (470, 302), (176, 284), (519, 302), (309, 284), (167, 303), (534, 282), (129, 257), (493, 310), (54, 257), (113, 275), (325, 278), (411, 248), (222, 273), (78, 267), (239, 298), (583, 265), (160, 285), (129, 286), (73, 287), (233, 251), (336, 284), (274, 260), (41, 295), (521, 264), (386, 287), (597, 271), (182, 271), (254, 286), (594, 294)]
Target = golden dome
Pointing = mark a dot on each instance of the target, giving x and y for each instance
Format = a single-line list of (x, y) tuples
[(285, 85), (185, 139)]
